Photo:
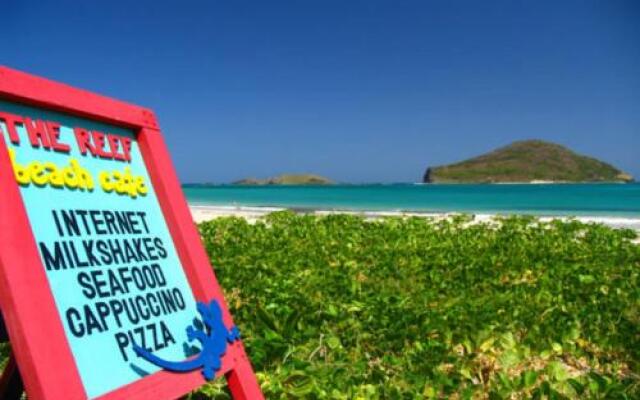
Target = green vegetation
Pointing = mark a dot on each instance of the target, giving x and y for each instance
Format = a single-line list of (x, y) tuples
[(4, 354), (338, 307), (287, 179), (526, 161)]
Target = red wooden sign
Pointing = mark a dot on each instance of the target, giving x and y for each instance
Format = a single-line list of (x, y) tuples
[(58, 306)]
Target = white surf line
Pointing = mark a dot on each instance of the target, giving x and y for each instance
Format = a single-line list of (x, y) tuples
[(206, 212)]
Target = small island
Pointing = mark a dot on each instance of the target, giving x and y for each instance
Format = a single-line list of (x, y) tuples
[(287, 179), (529, 161)]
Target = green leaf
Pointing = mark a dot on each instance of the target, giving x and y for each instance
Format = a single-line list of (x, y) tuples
[(529, 378)]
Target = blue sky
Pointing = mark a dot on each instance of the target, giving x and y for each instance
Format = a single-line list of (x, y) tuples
[(359, 91)]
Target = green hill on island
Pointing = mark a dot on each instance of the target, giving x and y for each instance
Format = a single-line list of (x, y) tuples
[(527, 161), (287, 179)]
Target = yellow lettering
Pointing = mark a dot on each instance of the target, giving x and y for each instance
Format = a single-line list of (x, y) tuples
[(141, 187), (84, 177), (21, 173), (37, 176), (105, 182), (123, 183), (73, 176), (46, 173), (55, 177)]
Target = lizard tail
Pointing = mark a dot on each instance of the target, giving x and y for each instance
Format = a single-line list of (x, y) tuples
[(181, 366)]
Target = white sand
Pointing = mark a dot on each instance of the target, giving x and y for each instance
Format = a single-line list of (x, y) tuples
[(204, 213)]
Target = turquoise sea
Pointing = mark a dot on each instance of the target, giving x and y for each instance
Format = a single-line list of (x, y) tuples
[(540, 199)]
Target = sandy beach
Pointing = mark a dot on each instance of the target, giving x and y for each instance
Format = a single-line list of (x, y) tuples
[(204, 213)]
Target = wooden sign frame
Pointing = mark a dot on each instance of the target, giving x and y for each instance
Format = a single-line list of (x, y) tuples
[(39, 344)]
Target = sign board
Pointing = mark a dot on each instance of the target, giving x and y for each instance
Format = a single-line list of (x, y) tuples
[(105, 287)]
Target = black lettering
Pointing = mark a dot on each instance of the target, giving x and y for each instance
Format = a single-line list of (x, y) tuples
[(57, 222), (123, 222), (53, 261), (150, 249), (117, 309), (153, 334), (149, 277), (79, 263), (103, 312), (88, 251), (123, 343), (110, 220), (143, 218), (65, 247), (129, 252), (99, 283), (133, 222), (142, 342), (143, 309), (74, 316), (83, 215), (70, 222), (125, 279), (97, 222), (152, 301), (162, 253), (157, 271), (132, 311), (114, 283), (105, 253), (138, 279), (87, 288), (167, 337), (169, 301), (91, 320), (116, 251), (141, 254), (177, 295)]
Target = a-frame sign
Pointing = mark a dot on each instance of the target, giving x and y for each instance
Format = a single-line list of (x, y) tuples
[(105, 288)]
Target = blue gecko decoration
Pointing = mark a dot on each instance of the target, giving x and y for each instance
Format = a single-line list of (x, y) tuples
[(213, 339)]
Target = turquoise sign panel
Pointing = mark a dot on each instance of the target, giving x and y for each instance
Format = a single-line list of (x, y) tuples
[(105, 246)]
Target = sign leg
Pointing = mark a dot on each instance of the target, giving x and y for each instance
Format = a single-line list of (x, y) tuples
[(11, 387), (242, 381)]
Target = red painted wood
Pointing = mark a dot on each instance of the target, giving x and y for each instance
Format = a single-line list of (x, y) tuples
[(31, 317), (35, 330), (40, 92), (242, 380)]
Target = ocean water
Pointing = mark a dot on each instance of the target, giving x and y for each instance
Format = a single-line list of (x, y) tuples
[(545, 199)]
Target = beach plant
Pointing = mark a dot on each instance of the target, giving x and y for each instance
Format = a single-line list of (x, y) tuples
[(339, 307)]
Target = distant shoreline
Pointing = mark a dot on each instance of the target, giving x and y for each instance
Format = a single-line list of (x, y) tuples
[(534, 182), (202, 213)]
